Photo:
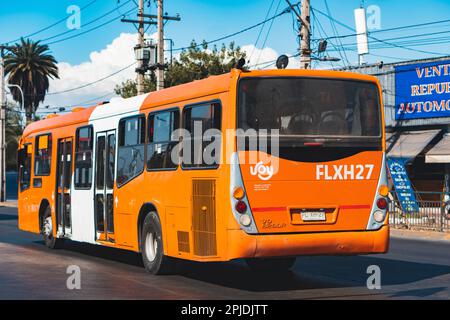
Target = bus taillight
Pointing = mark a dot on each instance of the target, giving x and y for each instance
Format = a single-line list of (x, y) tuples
[(241, 207), (382, 203)]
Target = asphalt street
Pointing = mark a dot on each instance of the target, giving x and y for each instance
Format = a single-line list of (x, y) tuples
[(413, 269)]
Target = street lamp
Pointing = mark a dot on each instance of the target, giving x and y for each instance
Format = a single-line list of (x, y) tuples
[(327, 59), (21, 93), (22, 101)]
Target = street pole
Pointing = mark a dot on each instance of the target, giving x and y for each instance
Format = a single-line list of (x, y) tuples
[(305, 35), (160, 60), (140, 75), (2, 127)]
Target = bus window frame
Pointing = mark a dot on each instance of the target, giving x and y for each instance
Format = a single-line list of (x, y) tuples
[(379, 97), (182, 126), (77, 133), (36, 149), (25, 147), (147, 142), (140, 115)]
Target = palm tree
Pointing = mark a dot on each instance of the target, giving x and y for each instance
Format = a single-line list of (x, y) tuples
[(30, 66)]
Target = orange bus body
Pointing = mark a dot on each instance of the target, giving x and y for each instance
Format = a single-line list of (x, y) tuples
[(195, 207)]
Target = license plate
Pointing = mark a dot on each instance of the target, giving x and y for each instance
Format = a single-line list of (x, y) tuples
[(314, 216)]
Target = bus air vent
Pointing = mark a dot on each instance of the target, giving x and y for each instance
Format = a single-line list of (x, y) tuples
[(183, 242), (204, 217)]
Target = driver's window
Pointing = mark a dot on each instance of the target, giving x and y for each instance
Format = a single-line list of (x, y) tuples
[(25, 155), (130, 159)]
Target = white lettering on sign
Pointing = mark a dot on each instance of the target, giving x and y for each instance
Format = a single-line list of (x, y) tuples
[(344, 172)]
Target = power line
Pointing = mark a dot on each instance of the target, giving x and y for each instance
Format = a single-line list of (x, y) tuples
[(94, 82), (376, 39), (87, 23), (333, 26), (287, 10), (268, 32), (90, 30), (262, 28), (52, 25)]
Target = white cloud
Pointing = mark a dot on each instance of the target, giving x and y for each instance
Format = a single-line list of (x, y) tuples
[(117, 55), (265, 58), (259, 58)]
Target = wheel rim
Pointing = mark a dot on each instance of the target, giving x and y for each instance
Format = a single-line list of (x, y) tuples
[(48, 227), (151, 246)]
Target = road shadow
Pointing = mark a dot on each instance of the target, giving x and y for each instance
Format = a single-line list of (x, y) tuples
[(309, 272), (101, 252), (315, 273), (5, 217)]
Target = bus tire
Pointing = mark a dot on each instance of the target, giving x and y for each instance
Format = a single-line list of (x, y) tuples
[(152, 249), (47, 231), (271, 264)]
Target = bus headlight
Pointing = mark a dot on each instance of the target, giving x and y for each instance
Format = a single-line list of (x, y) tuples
[(245, 220), (379, 216)]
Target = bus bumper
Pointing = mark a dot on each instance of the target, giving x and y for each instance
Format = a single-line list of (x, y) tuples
[(242, 245)]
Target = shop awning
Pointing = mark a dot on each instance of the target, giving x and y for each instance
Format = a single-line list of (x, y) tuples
[(440, 152), (411, 143)]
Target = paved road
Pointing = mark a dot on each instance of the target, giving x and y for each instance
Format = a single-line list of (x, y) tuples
[(28, 270)]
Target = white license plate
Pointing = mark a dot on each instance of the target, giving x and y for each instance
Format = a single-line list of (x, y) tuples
[(314, 216)]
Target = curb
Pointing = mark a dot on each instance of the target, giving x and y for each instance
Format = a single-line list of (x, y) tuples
[(420, 235), (9, 204)]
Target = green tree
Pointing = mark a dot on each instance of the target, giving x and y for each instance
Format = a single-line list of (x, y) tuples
[(195, 63), (30, 66)]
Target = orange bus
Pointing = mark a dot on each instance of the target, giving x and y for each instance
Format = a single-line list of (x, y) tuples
[(107, 175)]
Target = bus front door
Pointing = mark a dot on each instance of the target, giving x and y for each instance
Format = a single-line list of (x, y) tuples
[(64, 181), (104, 185)]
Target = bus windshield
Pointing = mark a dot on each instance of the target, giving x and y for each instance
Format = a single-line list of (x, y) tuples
[(310, 108)]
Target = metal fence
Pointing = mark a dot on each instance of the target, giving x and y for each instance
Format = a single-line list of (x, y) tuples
[(433, 214)]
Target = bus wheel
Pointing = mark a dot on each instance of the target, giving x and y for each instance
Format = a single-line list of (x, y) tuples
[(271, 264), (152, 249), (47, 231)]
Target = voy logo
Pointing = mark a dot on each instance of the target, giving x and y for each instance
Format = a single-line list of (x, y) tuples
[(263, 172)]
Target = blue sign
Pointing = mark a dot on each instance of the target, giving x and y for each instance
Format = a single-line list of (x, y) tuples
[(402, 184), (422, 90)]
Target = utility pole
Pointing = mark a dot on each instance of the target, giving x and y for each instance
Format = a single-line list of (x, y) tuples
[(160, 69), (304, 20), (2, 126), (305, 35), (144, 51), (141, 72)]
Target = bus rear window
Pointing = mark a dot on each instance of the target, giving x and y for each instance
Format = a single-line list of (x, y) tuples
[(310, 107)]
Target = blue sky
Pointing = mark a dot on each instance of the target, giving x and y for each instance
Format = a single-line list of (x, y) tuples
[(209, 20)]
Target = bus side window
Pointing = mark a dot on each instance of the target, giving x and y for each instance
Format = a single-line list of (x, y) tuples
[(24, 162), (42, 159), (206, 117), (83, 158), (131, 149), (161, 142)]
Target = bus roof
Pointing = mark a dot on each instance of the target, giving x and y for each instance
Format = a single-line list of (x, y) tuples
[(196, 89)]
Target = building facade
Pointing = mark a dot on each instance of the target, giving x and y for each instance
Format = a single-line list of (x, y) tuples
[(417, 108)]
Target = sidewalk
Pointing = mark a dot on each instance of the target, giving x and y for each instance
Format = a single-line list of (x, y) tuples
[(420, 235), (9, 204)]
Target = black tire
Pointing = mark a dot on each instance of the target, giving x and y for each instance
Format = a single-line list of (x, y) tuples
[(271, 264), (152, 248), (50, 241)]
